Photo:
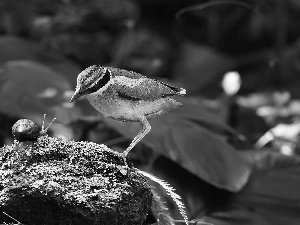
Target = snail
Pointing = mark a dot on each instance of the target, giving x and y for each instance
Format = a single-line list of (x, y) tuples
[(27, 130)]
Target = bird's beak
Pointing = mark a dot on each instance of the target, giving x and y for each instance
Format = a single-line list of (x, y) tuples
[(75, 96)]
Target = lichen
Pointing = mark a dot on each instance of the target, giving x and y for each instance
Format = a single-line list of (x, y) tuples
[(53, 181)]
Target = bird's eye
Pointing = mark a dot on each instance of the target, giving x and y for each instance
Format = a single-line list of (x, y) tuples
[(106, 74)]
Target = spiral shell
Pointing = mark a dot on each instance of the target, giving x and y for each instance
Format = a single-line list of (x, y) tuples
[(25, 130)]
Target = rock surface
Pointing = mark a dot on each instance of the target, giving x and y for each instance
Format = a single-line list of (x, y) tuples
[(52, 181)]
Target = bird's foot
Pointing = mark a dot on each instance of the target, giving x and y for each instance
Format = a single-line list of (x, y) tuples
[(123, 168), (123, 156)]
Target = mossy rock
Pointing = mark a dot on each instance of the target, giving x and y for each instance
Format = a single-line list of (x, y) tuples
[(53, 181)]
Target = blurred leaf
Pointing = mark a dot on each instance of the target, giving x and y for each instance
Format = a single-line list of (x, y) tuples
[(62, 131), (14, 48), (214, 3), (201, 113), (181, 136), (272, 195), (256, 100), (223, 25), (236, 27), (197, 195), (85, 18), (110, 14), (297, 3), (196, 68), (16, 17), (143, 51), (287, 132), (29, 89), (86, 48), (273, 191), (235, 215), (269, 161)]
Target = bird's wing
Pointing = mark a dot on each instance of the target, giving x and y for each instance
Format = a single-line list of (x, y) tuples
[(125, 73), (144, 88)]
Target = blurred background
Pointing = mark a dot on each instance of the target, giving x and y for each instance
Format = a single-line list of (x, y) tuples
[(232, 152)]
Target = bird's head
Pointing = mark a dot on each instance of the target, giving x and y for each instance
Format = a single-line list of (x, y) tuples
[(91, 80)]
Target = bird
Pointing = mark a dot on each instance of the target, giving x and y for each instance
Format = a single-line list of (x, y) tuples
[(126, 96)]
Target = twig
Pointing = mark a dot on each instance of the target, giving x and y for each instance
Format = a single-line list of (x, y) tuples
[(19, 223), (215, 3)]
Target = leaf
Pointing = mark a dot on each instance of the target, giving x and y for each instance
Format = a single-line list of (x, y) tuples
[(287, 132), (217, 23), (272, 195), (29, 89), (201, 114), (273, 191), (235, 215), (15, 48), (143, 51), (197, 149), (196, 68), (212, 4), (197, 195)]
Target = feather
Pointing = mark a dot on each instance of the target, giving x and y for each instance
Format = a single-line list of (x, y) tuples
[(127, 97), (125, 73), (144, 88)]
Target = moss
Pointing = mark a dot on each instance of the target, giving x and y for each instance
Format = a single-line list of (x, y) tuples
[(52, 181)]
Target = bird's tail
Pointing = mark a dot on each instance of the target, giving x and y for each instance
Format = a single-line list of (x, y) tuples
[(176, 90), (181, 91)]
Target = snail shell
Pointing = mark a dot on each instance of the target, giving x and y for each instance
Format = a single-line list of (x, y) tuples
[(25, 130)]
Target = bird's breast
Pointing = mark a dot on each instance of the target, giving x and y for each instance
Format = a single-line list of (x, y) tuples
[(106, 103)]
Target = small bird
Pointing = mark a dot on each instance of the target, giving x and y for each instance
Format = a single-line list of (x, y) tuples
[(126, 96)]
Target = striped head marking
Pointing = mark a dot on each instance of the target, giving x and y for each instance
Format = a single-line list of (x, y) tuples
[(91, 80)]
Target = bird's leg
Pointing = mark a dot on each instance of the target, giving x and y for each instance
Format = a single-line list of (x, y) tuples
[(145, 130)]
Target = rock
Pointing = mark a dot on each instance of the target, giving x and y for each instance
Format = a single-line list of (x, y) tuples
[(53, 181)]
